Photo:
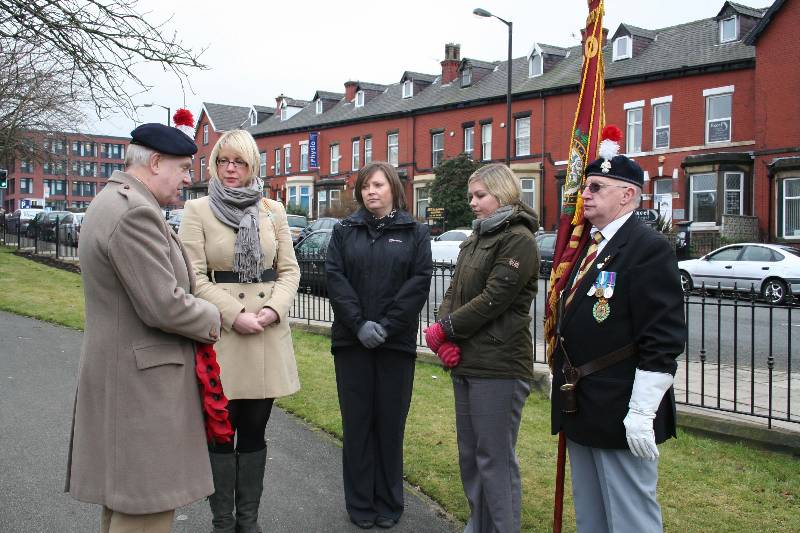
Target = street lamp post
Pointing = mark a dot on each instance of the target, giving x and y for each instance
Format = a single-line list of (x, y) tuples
[(483, 13), (169, 113)]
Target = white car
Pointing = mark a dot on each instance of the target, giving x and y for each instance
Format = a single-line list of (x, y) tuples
[(769, 269), (445, 247)]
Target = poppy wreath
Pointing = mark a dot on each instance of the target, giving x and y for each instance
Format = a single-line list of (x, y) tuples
[(215, 404)]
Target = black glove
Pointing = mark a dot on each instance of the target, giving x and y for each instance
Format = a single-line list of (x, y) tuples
[(371, 334)]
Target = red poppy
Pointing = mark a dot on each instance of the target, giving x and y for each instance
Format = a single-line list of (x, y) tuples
[(215, 412)]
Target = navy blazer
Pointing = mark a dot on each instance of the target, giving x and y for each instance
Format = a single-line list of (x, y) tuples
[(647, 311)]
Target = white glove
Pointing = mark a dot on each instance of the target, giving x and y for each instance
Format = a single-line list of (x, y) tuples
[(648, 390)]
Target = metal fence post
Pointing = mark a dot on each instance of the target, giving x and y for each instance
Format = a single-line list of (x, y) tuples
[(58, 234)]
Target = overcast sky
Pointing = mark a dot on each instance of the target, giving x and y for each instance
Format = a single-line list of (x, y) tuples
[(256, 50)]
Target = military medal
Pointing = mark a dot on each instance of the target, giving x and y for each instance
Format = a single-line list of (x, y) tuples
[(603, 289)]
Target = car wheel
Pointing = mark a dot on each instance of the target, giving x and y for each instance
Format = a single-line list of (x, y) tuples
[(686, 281), (774, 291)]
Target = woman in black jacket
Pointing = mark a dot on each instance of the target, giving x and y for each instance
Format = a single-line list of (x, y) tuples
[(379, 270)]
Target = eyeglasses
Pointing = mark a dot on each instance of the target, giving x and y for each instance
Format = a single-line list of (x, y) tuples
[(224, 162), (595, 187)]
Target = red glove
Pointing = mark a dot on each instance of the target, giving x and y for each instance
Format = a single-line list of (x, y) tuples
[(450, 354), (434, 336)]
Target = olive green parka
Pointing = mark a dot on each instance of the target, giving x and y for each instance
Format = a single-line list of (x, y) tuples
[(486, 309)]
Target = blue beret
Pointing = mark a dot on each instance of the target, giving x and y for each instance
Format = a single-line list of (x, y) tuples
[(621, 168), (163, 139)]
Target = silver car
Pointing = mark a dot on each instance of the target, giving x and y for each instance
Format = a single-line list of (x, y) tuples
[(769, 269)]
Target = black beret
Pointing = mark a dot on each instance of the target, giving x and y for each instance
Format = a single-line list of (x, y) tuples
[(163, 139), (620, 168)]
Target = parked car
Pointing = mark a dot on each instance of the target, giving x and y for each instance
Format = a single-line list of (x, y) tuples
[(319, 224), (21, 218), (32, 228), (546, 241), (71, 228), (769, 269), (47, 225), (297, 223), (445, 247), (175, 217), (310, 254)]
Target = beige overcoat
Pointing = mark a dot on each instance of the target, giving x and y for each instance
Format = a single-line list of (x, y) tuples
[(138, 443), (261, 365)]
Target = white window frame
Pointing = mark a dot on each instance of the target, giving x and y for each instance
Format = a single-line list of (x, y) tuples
[(785, 185), (486, 142), (437, 149), (657, 103), (739, 191), (262, 164), (359, 100), (334, 195), (304, 157), (469, 141), (318, 106), (287, 159), (722, 22), (355, 155), (254, 117), (202, 168), (528, 188), (631, 127), (535, 68), (205, 133), (408, 89), (692, 192), (277, 161), (712, 95), (334, 158), (628, 48), (393, 149), (419, 200), (522, 145), (466, 77), (367, 150)]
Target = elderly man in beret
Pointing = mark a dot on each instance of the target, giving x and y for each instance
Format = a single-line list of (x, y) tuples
[(620, 328), (138, 444)]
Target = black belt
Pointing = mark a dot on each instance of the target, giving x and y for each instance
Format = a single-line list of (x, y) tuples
[(573, 374), (228, 276)]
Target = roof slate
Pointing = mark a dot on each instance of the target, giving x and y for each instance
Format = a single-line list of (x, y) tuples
[(226, 117), (685, 46)]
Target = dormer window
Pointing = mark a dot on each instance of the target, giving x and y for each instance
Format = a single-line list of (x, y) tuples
[(408, 89), (622, 47), (319, 106), (535, 65), (360, 99), (284, 111), (466, 77), (253, 117), (727, 30)]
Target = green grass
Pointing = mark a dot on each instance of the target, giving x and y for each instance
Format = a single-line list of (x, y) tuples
[(705, 484)]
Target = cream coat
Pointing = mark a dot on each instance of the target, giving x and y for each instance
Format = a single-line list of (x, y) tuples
[(261, 365), (138, 444)]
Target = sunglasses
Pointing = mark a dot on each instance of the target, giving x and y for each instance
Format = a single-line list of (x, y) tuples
[(595, 187)]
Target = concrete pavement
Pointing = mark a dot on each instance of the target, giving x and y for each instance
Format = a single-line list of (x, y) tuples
[(38, 367)]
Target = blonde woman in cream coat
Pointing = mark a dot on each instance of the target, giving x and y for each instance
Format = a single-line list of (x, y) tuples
[(253, 287)]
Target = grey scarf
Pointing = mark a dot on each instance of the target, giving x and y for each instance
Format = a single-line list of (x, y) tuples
[(493, 221), (238, 208)]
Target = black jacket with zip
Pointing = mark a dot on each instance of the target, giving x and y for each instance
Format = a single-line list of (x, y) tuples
[(380, 275)]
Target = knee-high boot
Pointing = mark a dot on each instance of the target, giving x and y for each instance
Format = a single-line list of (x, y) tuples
[(223, 469), (249, 485)]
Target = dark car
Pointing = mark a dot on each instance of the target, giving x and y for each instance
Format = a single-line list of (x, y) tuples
[(47, 225), (71, 228), (310, 253), (546, 241), (32, 228), (297, 223), (319, 224), (20, 219)]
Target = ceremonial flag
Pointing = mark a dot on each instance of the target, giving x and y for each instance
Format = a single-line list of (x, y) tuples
[(585, 136)]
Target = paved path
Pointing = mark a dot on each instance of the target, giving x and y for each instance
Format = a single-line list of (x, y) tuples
[(38, 367)]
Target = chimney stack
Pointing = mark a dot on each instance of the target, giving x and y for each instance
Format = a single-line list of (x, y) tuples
[(350, 90), (452, 59), (583, 38)]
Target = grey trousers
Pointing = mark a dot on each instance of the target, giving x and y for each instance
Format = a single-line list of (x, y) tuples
[(614, 491), (116, 522), (488, 413)]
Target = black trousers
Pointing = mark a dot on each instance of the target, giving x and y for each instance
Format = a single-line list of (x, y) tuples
[(374, 389), (249, 421)]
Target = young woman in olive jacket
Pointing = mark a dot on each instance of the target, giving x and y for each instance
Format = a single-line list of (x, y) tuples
[(379, 271), (484, 336)]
